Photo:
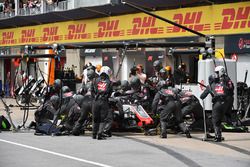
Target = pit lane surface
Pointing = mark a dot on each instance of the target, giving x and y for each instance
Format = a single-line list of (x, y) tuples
[(24, 149)]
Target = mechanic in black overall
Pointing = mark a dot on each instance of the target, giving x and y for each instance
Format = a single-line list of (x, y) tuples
[(100, 107), (84, 100), (166, 102), (230, 94), (219, 91)]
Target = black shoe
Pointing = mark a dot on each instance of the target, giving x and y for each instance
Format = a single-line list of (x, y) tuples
[(210, 136), (150, 132), (93, 136), (32, 125), (164, 136), (188, 135), (217, 139), (100, 137), (107, 134)]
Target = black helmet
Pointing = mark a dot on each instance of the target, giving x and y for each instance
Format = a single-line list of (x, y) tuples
[(65, 89), (163, 73), (124, 85), (55, 101), (90, 74), (91, 67), (135, 83), (157, 65), (57, 84), (78, 99)]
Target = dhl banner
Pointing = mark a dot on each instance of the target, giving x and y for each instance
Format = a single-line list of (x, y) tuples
[(231, 18)]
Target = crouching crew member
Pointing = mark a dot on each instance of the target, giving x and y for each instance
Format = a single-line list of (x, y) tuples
[(167, 103)]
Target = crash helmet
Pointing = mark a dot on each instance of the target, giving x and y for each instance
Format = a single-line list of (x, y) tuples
[(162, 73), (98, 67), (219, 71), (90, 74), (91, 67), (78, 99), (65, 89), (135, 83), (168, 70), (157, 65), (57, 84), (105, 70), (124, 85), (55, 100)]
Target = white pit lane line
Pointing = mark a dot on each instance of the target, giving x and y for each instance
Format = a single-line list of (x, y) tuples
[(55, 153)]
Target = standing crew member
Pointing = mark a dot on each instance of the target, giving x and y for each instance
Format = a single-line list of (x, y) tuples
[(100, 109), (230, 93), (218, 90)]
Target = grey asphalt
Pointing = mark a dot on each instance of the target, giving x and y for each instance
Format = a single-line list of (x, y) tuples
[(24, 149)]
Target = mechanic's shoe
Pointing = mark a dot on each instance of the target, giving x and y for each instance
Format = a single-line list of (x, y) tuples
[(93, 136), (188, 135), (151, 132), (217, 139), (32, 125), (163, 136), (100, 137), (107, 134), (210, 136)]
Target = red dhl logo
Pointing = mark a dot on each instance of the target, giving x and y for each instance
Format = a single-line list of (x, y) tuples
[(191, 20), (28, 36), (234, 18), (144, 26), (50, 34), (8, 38), (77, 32), (108, 29)]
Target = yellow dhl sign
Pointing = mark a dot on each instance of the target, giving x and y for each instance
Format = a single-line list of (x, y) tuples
[(210, 20)]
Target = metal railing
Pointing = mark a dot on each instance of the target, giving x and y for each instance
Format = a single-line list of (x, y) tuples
[(29, 11), (4, 15), (43, 8), (60, 6)]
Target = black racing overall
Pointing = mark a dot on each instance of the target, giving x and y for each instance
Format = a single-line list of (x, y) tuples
[(219, 106), (100, 107)]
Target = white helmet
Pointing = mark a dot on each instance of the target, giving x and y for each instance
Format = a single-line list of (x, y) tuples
[(106, 70), (220, 70)]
